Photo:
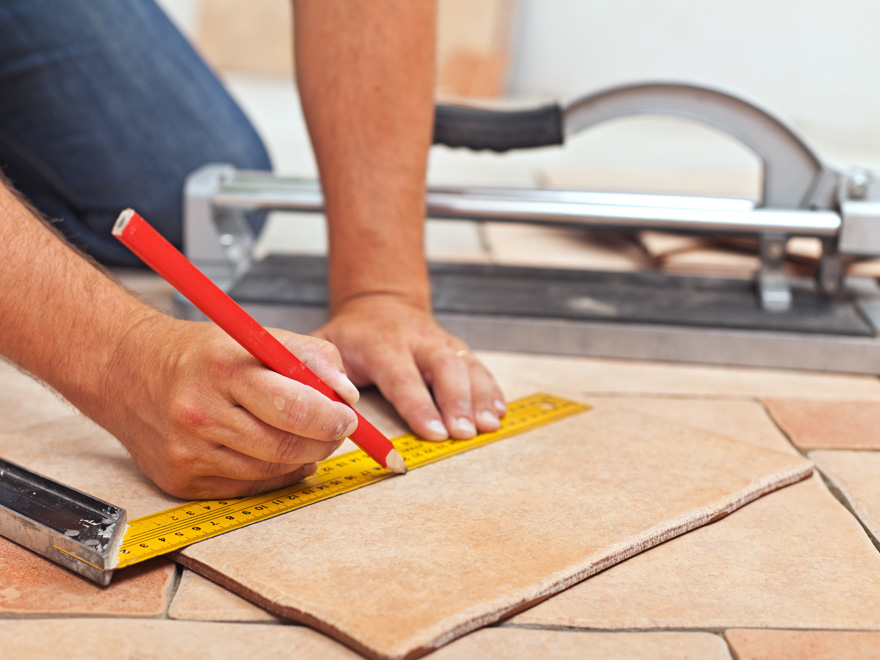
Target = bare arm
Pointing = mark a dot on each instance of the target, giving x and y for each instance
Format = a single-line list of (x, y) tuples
[(366, 77), (200, 416)]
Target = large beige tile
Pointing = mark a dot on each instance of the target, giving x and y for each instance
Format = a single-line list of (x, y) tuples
[(112, 639), (745, 421), (740, 420), (802, 644), (856, 474), (31, 585), (25, 401), (512, 644), (793, 559), (521, 374), (198, 599), (815, 424), (416, 561)]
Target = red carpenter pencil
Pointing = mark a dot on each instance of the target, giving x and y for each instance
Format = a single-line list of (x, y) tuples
[(142, 239)]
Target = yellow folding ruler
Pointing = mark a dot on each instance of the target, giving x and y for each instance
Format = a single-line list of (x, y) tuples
[(163, 532)]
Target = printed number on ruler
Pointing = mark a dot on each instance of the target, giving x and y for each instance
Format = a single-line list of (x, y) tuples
[(166, 531)]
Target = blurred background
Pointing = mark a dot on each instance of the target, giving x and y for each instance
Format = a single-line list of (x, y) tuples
[(808, 61)]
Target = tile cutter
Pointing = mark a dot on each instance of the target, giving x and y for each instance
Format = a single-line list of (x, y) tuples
[(828, 322)]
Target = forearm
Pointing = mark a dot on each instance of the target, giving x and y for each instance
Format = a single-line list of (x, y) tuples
[(61, 318), (366, 77)]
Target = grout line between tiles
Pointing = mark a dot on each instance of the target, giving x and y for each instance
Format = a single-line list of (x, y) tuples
[(171, 592), (844, 500)]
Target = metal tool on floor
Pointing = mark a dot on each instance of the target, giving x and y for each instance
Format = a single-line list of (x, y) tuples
[(63, 524), (91, 537), (828, 322)]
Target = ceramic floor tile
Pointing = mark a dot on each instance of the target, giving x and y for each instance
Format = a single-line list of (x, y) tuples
[(31, 585), (815, 424), (801, 644), (512, 644), (419, 560), (24, 401), (570, 376), (112, 639), (743, 421), (556, 247), (793, 559), (856, 474), (198, 599)]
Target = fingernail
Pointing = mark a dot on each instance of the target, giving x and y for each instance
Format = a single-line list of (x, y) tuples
[(488, 420), (465, 427), (348, 384), (309, 470), (501, 407), (436, 430)]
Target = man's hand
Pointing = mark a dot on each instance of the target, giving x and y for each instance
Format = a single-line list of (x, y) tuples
[(401, 349), (205, 419)]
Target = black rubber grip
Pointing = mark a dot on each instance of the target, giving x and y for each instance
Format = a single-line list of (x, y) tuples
[(498, 130)]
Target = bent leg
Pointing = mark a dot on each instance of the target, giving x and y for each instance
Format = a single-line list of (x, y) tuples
[(104, 105)]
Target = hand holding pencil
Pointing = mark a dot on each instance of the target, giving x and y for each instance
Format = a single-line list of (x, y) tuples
[(138, 235)]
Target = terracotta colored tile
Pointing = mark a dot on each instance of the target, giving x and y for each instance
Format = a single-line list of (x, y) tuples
[(112, 639), (815, 424), (569, 376), (856, 474), (513, 644), (800, 644), (555, 247), (198, 599), (743, 421), (793, 559), (416, 561), (30, 584), (25, 402)]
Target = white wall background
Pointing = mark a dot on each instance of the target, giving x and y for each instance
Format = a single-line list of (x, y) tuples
[(813, 61)]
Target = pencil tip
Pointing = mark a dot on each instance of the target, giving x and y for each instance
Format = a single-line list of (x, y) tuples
[(394, 462)]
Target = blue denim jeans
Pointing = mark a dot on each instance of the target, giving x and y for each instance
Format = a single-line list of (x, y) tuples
[(104, 105)]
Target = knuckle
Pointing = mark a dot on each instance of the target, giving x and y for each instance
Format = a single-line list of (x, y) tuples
[(296, 410), (189, 412), (288, 449)]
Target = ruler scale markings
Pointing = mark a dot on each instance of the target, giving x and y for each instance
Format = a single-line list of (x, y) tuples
[(162, 532)]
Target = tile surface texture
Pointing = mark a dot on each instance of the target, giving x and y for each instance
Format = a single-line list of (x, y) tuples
[(743, 421), (828, 424), (856, 474), (31, 585), (417, 561), (746, 421), (199, 599), (112, 639), (512, 644), (793, 559), (571, 376), (801, 644), (24, 401)]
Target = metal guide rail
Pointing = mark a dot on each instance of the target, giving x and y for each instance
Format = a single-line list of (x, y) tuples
[(776, 320)]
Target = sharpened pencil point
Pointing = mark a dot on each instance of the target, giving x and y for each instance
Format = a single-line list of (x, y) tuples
[(394, 462)]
